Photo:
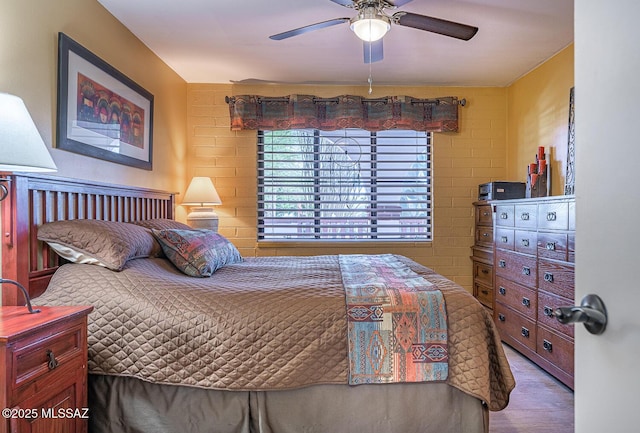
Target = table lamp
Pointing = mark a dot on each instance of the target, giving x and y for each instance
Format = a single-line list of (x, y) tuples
[(201, 193), (21, 150)]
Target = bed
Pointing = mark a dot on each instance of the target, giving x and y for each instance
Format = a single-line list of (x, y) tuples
[(261, 345)]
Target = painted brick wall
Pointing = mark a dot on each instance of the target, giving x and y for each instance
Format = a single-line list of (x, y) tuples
[(461, 161)]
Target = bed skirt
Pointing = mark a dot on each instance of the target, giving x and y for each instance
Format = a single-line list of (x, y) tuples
[(128, 405)]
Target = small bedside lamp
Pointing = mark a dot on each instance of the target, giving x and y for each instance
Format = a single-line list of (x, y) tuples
[(201, 192), (21, 149)]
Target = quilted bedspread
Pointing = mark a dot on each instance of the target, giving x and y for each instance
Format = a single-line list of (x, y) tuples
[(265, 324)]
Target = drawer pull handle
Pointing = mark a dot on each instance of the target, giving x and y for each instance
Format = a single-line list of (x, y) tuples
[(524, 332), (524, 216), (504, 216), (548, 277), (53, 362), (485, 271), (485, 292), (486, 235), (546, 345), (551, 216), (526, 302), (501, 317), (504, 239), (502, 264), (502, 291), (551, 246), (526, 270), (485, 213), (524, 242), (548, 311)]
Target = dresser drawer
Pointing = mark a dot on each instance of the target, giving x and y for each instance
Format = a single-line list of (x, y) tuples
[(526, 216), (43, 353), (482, 254), (517, 267), (557, 278), (547, 303), (526, 242), (517, 297), (504, 215), (484, 235), (483, 215), (556, 349), (483, 273), (518, 327), (571, 247), (553, 216), (553, 246), (484, 294), (505, 238)]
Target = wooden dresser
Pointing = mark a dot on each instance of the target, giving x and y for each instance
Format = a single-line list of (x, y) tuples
[(43, 369), (534, 259), (482, 255)]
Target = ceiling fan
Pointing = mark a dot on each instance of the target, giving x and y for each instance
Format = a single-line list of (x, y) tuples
[(372, 23)]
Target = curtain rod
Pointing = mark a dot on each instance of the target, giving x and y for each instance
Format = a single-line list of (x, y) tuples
[(232, 99)]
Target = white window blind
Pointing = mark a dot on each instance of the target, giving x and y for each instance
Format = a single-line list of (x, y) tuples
[(348, 185)]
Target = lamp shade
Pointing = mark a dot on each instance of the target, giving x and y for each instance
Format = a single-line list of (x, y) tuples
[(370, 25), (21, 146), (201, 192)]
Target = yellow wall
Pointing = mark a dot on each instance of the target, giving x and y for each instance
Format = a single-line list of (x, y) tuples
[(28, 69), (460, 162), (538, 115)]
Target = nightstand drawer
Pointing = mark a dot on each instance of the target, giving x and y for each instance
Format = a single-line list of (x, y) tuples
[(504, 239), (42, 353)]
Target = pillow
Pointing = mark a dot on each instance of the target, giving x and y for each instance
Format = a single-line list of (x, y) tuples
[(162, 224), (198, 253), (105, 243)]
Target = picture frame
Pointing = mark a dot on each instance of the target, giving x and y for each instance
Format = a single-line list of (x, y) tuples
[(101, 112)]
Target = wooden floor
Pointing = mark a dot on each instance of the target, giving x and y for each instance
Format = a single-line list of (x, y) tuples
[(538, 404)]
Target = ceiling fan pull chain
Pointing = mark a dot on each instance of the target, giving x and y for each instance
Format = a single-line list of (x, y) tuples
[(370, 80)]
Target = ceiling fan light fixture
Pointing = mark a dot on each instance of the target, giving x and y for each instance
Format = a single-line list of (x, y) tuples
[(370, 25)]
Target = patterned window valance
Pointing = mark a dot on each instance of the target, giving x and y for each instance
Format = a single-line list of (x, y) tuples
[(345, 111)]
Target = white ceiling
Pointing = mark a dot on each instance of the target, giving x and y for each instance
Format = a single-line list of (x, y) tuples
[(215, 41)]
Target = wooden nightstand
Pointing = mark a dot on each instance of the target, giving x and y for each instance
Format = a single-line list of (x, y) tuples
[(43, 369)]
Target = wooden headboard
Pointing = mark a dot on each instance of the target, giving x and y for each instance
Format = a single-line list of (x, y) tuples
[(36, 199)]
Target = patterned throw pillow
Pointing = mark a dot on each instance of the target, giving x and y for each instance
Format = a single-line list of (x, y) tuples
[(198, 253)]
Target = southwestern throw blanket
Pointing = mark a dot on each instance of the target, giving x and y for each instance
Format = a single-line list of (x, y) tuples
[(397, 322), (267, 323)]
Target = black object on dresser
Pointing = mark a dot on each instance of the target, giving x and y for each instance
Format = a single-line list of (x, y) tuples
[(534, 241)]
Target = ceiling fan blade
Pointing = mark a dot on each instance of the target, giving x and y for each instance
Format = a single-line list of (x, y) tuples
[(435, 25), (373, 51), (309, 28), (397, 3), (346, 3)]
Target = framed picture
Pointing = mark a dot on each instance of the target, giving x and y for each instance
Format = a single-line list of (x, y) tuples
[(101, 112)]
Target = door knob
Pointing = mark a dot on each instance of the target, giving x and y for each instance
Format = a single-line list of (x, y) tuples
[(591, 312)]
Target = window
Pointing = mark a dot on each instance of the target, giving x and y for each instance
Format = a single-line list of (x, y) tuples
[(347, 185)]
